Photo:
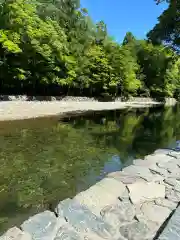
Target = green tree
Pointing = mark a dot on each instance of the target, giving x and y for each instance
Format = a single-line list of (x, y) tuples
[(167, 29), (97, 69), (39, 46), (129, 38), (55, 45), (156, 63), (172, 78)]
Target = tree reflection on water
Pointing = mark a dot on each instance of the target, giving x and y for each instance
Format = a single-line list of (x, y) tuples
[(45, 160)]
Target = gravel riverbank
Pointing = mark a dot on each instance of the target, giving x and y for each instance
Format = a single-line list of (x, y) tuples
[(16, 110)]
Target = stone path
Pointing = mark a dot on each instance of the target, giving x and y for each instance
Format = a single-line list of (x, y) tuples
[(132, 204)]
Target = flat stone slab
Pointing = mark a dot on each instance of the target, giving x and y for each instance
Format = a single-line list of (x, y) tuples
[(135, 231), (145, 162), (140, 192), (172, 195), (119, 213), (125, 177), (139, 171), (101, 195), (174, 183), (112, 186), (155, 213), (172, 230), (145, 173), (158, 157), (66, 232), (161, 171), (170, 166), (43, 225), (162, 151), (153, 226), (15, 234), (166, 203), (175, 154), (175, 173), (83, 220), (125, 196)]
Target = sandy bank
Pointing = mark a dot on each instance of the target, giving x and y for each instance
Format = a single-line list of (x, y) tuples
[(15, 110)]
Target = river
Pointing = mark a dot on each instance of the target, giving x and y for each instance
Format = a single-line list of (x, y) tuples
[(43, 161)]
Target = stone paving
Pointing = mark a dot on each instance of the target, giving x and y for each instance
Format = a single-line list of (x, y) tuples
[(133, 204)]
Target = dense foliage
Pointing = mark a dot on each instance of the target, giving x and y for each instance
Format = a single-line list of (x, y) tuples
[(53, 47), (168, 27)]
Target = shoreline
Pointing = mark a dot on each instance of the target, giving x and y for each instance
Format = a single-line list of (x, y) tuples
[(141, 200), (19, 110)]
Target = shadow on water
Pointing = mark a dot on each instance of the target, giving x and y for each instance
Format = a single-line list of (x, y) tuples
[(46, 160)]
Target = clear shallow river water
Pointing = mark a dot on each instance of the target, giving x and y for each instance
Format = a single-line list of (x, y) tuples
[(43, 161)]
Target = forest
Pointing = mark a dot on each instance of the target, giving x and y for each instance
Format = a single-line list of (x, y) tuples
[(53, 47)]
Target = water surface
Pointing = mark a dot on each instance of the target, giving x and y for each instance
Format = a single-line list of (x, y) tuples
[(43, 161)]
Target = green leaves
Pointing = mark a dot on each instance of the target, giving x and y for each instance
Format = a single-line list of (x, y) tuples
[(167, 30), (56, 45), (8, 44), (157, 63)]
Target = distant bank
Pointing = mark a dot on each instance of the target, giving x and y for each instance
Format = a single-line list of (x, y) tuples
[(24, 107)]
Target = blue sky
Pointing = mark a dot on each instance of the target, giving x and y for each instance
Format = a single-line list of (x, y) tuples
[(121, 16)]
